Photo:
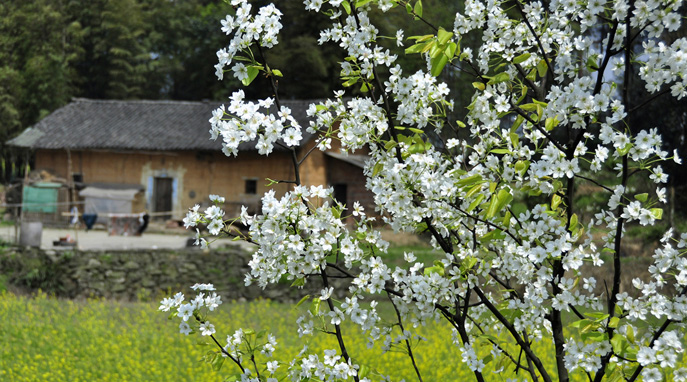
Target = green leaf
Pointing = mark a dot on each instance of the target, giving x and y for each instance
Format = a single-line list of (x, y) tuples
[(642, 197), (390, 145), (416, 148), (521, 58), (364, 371), (377, 169), (277, 72), (518, 121), (523, 94), (619, 343), (501, 77), (472, 179), (364, 87), (360, 3), (522, 166), (435, 269), (478, 85), (506, 218), (493, 204), (315, 306), (542, 68), (350, 82), (252, 74), (443, 36), (416, 48), (504, 198), (500, 151), (304, 299), (594, 336), (657, 213), (299, 282), (630, 334), (428, 47), (573, 222), (514, 138), (475, 202), (347, 7), (550, 123), (492, 187), (409, 8), (451, 50), (625, 149), (418, 8), (438, 64), (613, 323), (580, 323), (461, 124), (592, 65), (421, 38), (529, 107), (217, 362), (555, 201), (475, 189)]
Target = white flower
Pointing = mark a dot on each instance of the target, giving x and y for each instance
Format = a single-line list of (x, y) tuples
[(652, 375), (184, 328), (207, 329), (240, 71), (185, 311), (216, 199)]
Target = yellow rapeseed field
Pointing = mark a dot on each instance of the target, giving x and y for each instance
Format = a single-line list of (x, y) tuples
[(49, 339)]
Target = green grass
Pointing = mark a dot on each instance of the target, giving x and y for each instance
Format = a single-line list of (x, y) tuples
[(424, 254), (48, 339)]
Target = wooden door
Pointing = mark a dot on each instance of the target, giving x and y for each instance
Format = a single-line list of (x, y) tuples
[(162, 197)]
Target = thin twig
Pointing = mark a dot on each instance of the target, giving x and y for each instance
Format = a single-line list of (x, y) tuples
[(400, 325)]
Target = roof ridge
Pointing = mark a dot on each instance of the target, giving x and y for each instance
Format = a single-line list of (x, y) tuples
[(141, 101)]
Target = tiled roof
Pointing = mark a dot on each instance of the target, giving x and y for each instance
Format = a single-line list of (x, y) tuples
[(134, 125)]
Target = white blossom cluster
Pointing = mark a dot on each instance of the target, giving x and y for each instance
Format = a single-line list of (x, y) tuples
[(332, 367), (262, 28), (354, 123), (296, 233), (242, 122), (191, 312)]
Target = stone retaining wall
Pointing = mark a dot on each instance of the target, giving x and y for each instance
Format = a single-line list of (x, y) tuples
[(132, 275)]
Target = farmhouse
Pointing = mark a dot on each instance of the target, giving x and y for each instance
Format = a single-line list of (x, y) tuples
[(157, 156)]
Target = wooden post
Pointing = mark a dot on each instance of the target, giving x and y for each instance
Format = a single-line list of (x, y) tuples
[(72, 196)]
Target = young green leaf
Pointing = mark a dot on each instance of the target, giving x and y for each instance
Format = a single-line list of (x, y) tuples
[(443, 36), (521, 58), (418, 8)]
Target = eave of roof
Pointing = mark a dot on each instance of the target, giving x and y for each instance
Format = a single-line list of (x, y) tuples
[(355, 160)]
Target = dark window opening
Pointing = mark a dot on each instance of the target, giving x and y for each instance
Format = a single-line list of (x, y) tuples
[(251, 187), (340, 193)]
